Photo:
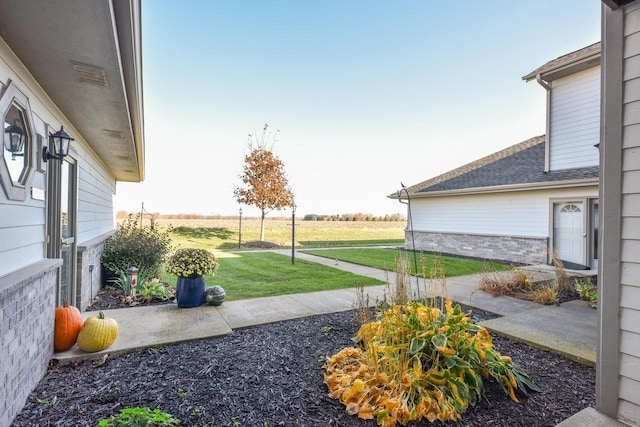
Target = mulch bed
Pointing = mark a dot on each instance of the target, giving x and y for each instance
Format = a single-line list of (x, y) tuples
[(272, 375), (111, 297), (261, 244)]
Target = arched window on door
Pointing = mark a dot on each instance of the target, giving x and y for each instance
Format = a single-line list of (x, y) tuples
[(570, 208)]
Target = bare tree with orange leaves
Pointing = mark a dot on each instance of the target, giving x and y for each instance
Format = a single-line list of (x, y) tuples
[(265, 183)]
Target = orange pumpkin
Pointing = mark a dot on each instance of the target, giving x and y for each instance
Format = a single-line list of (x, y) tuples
[(68, 322)]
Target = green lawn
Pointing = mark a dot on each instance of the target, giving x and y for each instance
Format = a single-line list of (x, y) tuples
[(386, 259), (262, 274)]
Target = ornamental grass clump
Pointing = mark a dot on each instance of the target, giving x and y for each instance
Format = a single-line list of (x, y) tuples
[(191, 263), (417, 361), (505, 283)]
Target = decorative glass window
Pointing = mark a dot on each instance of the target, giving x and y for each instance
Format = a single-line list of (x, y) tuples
[(18, 159), (570, 208), (17, 143)]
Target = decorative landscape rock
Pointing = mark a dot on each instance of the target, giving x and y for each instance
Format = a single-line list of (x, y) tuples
[(215, 295)]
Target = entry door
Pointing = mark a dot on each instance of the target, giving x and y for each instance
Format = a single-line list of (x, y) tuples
[(62, 184), (568, 232)]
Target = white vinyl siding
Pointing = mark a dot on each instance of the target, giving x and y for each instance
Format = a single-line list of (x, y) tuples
[(22, 224), (522, 214), (96, 190), (629, 396), (574, 124), (21, 236)]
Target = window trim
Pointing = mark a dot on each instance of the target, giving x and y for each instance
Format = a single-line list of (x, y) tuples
[(18, 191)]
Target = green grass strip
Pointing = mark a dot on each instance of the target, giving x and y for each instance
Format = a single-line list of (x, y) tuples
[(343, 243), (262, 274)]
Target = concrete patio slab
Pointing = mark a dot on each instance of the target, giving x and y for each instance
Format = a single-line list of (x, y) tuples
[(569, 329), (327, 302), (589, 417), (251, 312), (149, 326)]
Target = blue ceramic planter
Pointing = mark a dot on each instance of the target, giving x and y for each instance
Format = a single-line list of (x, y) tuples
[(190, 291)]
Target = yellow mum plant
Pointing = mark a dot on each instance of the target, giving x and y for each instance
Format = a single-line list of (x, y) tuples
[(191, 262)]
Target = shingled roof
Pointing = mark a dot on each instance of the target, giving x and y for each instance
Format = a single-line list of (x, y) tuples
[(521, 164), (566, 64)]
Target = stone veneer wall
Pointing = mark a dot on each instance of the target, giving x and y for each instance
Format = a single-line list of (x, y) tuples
[(89, 270), (527, 250), (27, 312)]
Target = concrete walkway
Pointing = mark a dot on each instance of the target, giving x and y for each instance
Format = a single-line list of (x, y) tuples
[(568, 329)]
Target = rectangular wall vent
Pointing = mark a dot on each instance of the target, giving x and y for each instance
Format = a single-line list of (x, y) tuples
[(90, 74), (113, 133)]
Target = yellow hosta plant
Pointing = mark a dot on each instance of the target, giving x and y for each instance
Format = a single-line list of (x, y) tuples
[(418, 362), (191, 263)]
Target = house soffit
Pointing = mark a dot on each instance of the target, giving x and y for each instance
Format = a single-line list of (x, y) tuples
[(86, 57), (614, 4)]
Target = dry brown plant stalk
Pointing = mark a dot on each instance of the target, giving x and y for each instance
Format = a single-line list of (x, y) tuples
[(363, 315), (438, 284), (563, 284), (402, 293)]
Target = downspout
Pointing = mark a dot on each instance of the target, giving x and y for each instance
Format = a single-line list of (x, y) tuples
[(547, 149)]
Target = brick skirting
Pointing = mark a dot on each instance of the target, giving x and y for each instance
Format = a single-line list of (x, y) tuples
[(526, 250)]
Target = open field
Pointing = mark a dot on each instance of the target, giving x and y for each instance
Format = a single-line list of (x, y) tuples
[(223, 234)]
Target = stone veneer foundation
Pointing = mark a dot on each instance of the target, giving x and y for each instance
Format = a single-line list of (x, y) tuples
[(526, 250)]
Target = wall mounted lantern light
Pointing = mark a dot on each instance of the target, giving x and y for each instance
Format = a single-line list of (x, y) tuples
[(14, 140), (60, 142)]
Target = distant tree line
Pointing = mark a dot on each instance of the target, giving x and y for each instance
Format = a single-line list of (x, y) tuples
[(125, 214), (308, 217), (354, 217)]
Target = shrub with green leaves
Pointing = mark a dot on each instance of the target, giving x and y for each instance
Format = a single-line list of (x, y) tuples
[(136, 245), (139, 417), (420, 362), (154, 289), (587, 291)]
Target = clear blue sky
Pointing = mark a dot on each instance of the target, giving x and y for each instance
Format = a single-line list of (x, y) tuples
[(365, 93)]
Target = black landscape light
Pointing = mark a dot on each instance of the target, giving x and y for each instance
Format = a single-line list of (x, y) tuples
[(60, 142), (240, 230), (293, 233), (132, 280)]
